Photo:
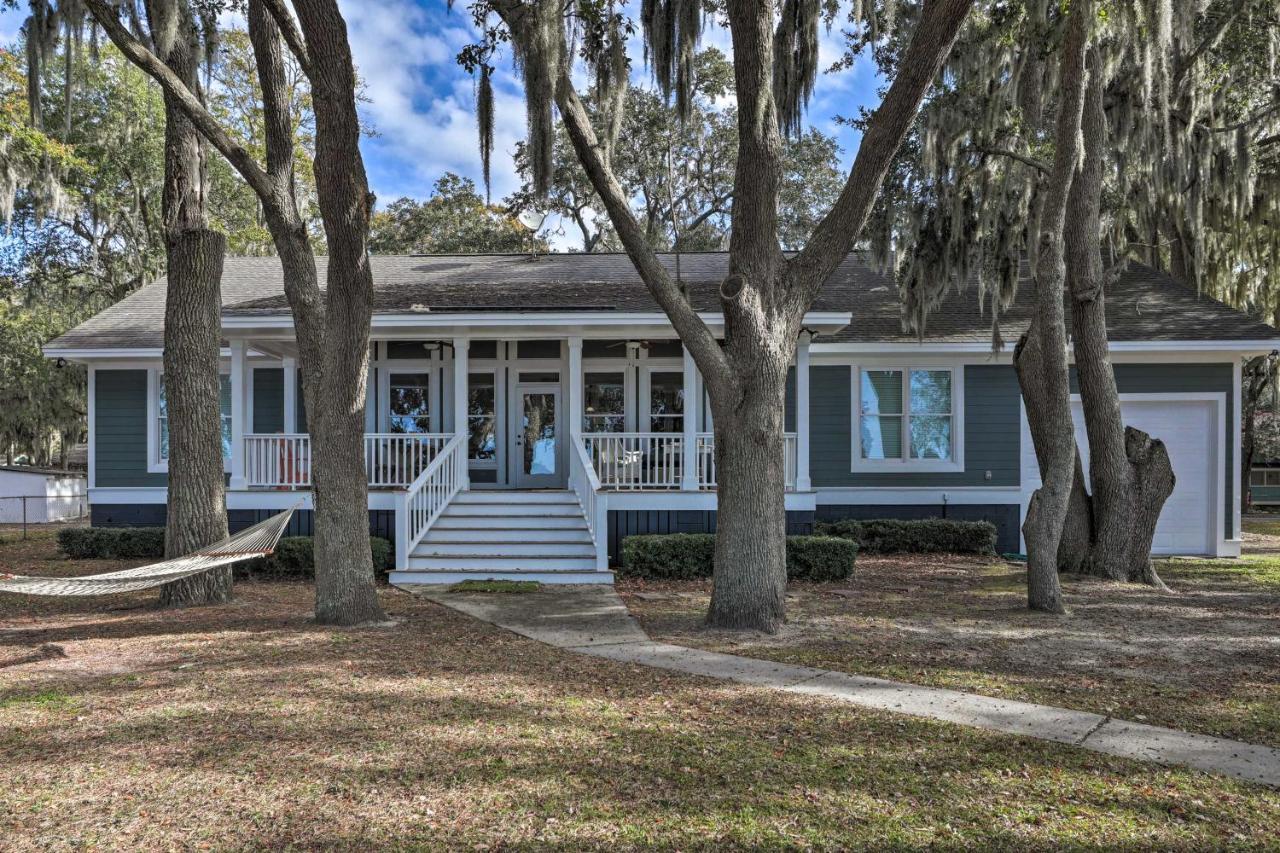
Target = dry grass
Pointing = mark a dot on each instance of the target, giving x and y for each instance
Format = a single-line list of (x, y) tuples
[(247, 727), (1205, 659)]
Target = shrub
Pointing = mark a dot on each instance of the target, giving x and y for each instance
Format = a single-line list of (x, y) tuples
[(681, 556), (294, 557), (112, 543), (915, 536)]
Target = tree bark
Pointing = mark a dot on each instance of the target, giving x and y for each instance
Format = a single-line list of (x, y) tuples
[(765, 295), (345, 588), (1040, 357), (1130, 472), (196, 514), (332, 329)]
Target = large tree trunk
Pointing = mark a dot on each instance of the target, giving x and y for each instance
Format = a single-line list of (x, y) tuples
[(1040, 357), (1256, 374), (750, 579), (345, 586), (196, 499), (1130, 472)]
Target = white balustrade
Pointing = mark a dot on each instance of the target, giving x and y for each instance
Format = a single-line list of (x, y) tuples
[(283, 460), (428, 495), (707, 460), (635, 460), (584, 481)]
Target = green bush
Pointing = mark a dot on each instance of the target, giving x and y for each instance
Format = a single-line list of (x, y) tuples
[(681, 556), (914, 536), (294, 558), (112, 543)]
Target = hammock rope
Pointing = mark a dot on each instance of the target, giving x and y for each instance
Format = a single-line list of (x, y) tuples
[(256, 541)]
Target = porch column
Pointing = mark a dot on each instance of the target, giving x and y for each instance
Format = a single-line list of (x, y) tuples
[(238, 352), (803, 483), (290, 366), (689, 458), (460, 350), (575, 388)]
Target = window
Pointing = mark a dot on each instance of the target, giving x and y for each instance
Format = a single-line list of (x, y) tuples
[(1264, 477), (162, 417), (408, 398), (604, 402), (482, 437), (907, 416), (666, 401)]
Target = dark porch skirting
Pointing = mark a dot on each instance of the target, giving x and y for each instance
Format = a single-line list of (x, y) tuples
[(1006, 517), (382, 522), (636, 522)]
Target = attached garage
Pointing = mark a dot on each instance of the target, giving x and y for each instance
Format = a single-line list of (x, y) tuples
[(1193, 428)]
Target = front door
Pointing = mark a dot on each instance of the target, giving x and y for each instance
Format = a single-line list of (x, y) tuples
[(538, 448)]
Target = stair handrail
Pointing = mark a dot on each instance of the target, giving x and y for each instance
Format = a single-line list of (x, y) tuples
[(584, 481), (420, 505)]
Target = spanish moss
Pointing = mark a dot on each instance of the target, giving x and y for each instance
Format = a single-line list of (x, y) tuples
[(795, 62)]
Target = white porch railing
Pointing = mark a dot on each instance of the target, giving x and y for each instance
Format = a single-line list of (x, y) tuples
[(584, 481), (283, 460), (635, 460), (428, 495), (707, 460)]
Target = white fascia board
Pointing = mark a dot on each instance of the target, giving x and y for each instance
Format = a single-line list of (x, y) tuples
[(1234, 348), (821, 321), (114, 353)]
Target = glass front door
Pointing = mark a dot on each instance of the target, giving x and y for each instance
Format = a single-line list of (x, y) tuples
[(538, 448)]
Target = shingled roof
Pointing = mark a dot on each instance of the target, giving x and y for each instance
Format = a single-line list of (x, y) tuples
[(1144, 305)]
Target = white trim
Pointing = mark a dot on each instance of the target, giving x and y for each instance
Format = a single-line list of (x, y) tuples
[(913, 495), (1237, 496), (984, 347), (804, 482), (461, 348), (906, 464), (238, 400), (826, 320), (1221, 543), (289, 366), (688, 422), (92, 418)]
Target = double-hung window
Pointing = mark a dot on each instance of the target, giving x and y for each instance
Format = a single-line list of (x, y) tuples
[(160, 424), (907, 418), (604, 401)]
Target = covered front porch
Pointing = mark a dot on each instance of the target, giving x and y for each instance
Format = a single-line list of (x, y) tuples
[(634, 411)]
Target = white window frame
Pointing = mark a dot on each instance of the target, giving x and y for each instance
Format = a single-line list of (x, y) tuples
[(906, 464), (644, 421), (404, 365), (155, 464), (619, 366), (496, 373)]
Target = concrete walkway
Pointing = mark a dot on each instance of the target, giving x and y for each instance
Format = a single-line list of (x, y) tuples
[(592, 620)]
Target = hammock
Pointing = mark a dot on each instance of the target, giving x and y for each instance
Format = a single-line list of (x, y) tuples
[(257, 541)]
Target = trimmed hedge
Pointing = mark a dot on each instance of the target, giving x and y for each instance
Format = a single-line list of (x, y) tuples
[(292, 559), (915, 536), (112, 543), (681, 556)]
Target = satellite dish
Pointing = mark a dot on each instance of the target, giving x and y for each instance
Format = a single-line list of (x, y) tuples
[(532, 219)]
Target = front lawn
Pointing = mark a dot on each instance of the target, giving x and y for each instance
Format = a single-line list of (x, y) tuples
[(244, 726), (1204, 659)]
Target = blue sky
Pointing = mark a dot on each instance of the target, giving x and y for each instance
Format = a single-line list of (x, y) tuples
[(420, 101)]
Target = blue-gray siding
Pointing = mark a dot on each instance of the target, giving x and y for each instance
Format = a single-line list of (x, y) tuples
[(268, 400), (120, 445), (636, 522), (991, 429)]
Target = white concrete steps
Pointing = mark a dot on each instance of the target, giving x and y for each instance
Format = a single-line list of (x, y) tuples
[(498, 535)]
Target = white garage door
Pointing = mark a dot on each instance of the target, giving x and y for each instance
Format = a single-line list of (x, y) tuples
[(1190, 433)]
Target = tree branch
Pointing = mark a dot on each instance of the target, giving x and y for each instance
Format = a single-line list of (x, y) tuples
[(1210, 40), (1025, 159), (836, 234), (139, 55), (292, 35)]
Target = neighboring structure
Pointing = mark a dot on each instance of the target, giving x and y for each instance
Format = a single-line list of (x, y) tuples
[(1264, 484), (525, 415), (40, 495)]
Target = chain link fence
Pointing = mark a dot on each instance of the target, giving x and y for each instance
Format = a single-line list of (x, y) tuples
[(26, 511)]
